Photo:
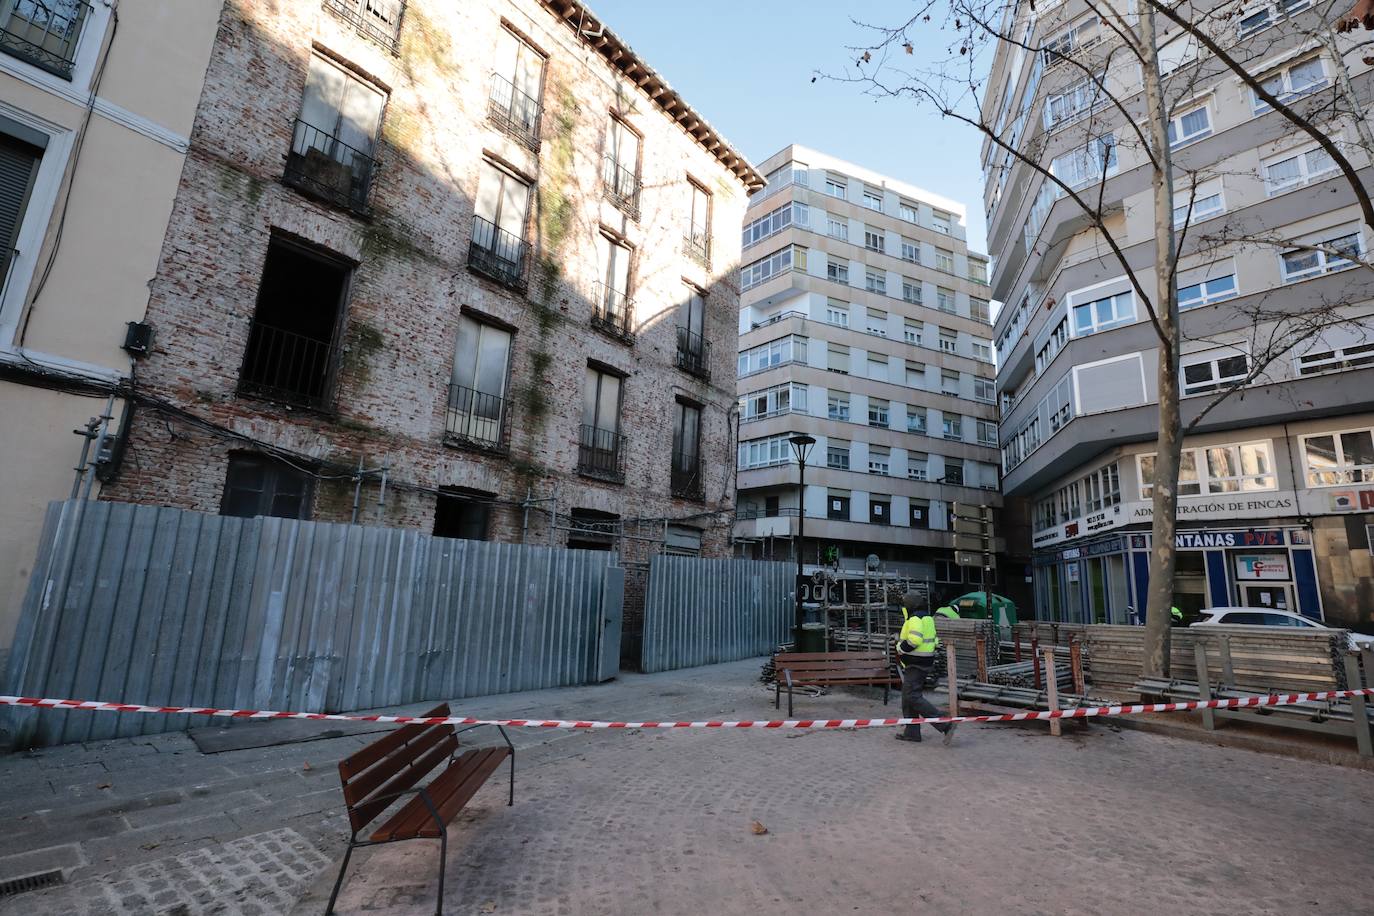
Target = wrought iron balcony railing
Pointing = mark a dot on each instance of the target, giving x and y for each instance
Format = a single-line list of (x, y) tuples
[(613, 313), (513, 111), (696, 244), (693, 354), (686, 476), (477, 418), (497, 254), (622, 187), (281, 365), (601, 453), (324, 166), (43, 33), (379, 20)]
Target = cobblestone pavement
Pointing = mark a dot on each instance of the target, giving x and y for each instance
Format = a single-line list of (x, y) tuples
[(1007, 820)]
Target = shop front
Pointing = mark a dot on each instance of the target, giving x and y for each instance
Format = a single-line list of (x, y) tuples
[(1106, 580)]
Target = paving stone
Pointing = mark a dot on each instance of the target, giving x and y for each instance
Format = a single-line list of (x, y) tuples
[(65, 856)]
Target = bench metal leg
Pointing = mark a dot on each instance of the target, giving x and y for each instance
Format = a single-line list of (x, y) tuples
[(777, 691), (1359, 717), (443, 857), (788, 674), (1204, 686), (338, 882), (502, 729)]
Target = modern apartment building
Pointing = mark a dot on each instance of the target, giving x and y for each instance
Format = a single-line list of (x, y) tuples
[(96, 106), (864, 323), (449, 266), (1276, 491)]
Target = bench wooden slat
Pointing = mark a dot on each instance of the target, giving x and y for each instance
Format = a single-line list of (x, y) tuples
[(364, 812), (450, 791), (355, 763), (364, 784), (826, 656)]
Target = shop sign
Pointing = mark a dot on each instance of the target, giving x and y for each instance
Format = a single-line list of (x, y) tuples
[(1100, 548), (1263, 566), (1260, 505), (1204, 540), (1351, 500)]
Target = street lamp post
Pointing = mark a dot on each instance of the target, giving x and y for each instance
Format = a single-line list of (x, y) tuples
[(801, 447)]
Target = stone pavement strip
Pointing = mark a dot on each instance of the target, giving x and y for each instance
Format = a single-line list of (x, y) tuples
[(1006, 821)]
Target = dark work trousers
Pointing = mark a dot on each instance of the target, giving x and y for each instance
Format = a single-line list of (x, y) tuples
[(914, 702)]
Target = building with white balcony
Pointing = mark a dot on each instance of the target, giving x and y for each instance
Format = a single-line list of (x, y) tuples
[(1276, 494), (864, 322)]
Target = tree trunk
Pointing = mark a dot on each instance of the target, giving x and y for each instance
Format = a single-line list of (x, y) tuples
[(1169, 446)]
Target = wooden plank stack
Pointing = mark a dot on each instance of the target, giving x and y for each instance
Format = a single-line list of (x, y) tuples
[(1261, 658)]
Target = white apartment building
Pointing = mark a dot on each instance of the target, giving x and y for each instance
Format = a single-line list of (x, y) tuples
[(864, 322), (1276, 492)]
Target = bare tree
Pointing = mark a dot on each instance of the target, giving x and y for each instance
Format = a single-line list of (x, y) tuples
[(1118, 75)]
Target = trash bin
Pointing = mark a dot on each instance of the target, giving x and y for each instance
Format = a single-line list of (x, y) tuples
[(812, 638)]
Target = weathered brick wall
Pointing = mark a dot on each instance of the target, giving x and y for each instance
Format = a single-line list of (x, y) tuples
[(411, 278)]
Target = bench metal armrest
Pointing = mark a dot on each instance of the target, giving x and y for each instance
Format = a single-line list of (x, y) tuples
[(505, 736), (423, 792)]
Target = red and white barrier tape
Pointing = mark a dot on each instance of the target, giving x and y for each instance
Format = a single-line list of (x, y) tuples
[(1079, 713)]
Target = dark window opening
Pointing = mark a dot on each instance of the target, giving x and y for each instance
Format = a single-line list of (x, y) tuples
[(687, 471), (920, 515), (261, 485), (770, 507), (290, 352), (464, 514), (880, 513), (838, 508), (593, 530), (18, 167)]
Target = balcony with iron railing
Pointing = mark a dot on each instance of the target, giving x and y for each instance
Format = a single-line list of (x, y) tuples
[(696, 244), (281, 365), (693, 354), (326, 168), (378, 20), (686, 475), (621, 186), (601, 454), (43, 33), (514, 112), (477, 418), (613, 313), (497, 254)]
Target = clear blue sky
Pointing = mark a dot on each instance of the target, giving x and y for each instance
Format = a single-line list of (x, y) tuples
[(747, 66)]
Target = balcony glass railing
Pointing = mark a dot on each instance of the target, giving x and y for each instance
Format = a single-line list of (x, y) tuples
[(323, 166)]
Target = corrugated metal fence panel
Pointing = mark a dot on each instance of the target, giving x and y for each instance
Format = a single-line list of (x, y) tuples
[(700, 612), (144, 604)]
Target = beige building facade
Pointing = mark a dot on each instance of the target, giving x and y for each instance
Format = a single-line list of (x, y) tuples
[(1276, 494), (97, 101), (864, 322)]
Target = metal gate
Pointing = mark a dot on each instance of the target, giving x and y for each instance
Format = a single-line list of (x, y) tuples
[(700, 612)]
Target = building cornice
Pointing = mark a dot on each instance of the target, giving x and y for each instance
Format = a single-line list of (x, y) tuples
[(591, 29)]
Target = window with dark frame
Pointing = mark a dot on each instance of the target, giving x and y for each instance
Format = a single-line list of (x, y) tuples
[(498, 248), (613, 308), (837, 507), (601, 451), (686, 471), (463, 514), (696, 239), (693, 349), (879, 511), (260, 485), (620, 176), (517, 87), (332, 145), (18, 169), (44, 33), (378, 20), (291, 352), (478, 410)]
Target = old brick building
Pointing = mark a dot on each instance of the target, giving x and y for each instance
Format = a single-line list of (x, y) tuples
[(480, 251)]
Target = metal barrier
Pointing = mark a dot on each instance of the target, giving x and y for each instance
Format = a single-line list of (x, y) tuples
[(168, 607)]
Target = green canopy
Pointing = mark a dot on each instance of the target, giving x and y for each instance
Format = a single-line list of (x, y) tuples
[(974, 606)]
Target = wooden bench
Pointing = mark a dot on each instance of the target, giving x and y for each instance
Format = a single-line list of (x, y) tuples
[(378, 775), (829, 669)]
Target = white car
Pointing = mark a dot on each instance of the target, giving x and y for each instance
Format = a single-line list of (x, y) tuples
[(1264, 617)]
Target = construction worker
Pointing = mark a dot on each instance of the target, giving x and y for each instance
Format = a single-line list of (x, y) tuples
[(916, 646), (1175, 617), (947, 611)]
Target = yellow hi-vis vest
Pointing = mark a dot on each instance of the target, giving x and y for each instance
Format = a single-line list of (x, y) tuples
[(917, 638)]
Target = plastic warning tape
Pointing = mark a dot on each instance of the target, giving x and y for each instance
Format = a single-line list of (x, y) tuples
[(1084, 712)]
